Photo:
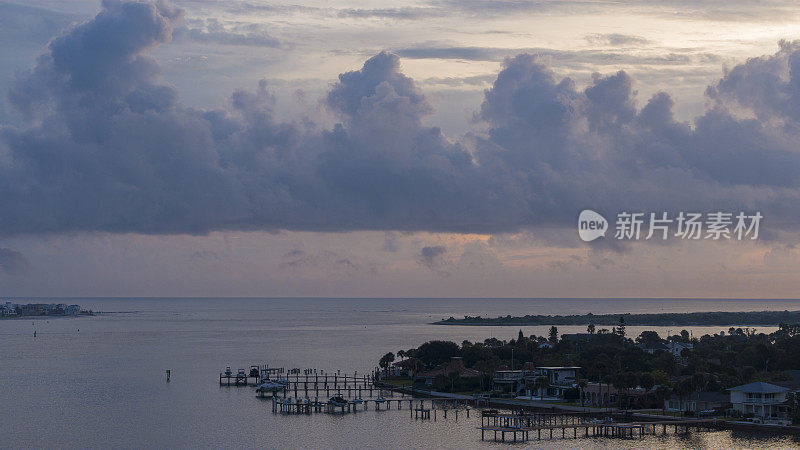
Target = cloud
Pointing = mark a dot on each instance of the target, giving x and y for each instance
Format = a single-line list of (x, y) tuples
[(108, 146), (616, 39), (445, 50), (212, 31), (331, 262), (433, 257), (13, 262)]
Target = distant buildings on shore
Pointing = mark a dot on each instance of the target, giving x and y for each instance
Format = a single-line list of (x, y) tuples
[(11, 310)]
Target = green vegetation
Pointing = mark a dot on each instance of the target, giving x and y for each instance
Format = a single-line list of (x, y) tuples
[(764, 318), (716, 362)]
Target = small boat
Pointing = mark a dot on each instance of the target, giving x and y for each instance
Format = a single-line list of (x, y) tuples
[(273, 385), (228, 371), (337, 401), (358, 400), (380, 399)]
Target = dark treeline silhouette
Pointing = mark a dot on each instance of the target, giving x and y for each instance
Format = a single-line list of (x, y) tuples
[(719, 318)]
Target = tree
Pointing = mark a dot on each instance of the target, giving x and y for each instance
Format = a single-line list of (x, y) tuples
[(582, 385), (553, 335), (608, 380), (386, 360), (401, 354), (590, 328), (542, 383), (621, 327), (433, 353), (684, 388), (646, 381), (648, 338), (441, 382), (660, 378), (699, 381), (455, 378), (520, 337)]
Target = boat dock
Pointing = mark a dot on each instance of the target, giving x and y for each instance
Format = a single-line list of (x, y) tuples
[(313, 383), (243, 377), (307, 406), (517, 430)]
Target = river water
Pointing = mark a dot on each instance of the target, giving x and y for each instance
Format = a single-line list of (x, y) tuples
[(100, 381)]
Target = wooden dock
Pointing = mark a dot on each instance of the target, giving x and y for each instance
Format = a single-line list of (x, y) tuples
[(241, 377), (587, 429), (316, 384), (308, 406)]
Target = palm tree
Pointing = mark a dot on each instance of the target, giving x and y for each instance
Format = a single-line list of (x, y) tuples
[(607, 379), (541, 384), (582, 385)]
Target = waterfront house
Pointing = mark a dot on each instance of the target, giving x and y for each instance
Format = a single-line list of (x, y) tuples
[(455, 365), (761, 400), (699, 402), (604, 394), (559, 379), (677, 348), (652, 347), (512, 381)]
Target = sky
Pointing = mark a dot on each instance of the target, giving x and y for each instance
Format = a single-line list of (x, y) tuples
[(394, 149)]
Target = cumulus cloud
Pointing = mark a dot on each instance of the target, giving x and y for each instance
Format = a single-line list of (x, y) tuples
[(108, 146)]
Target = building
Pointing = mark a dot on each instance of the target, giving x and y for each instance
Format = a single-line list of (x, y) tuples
[(699, 402), (527, 380), (676, 348), (652, 347), (602, 395), (510, 381), (559, 379), (8, 309), (399, 369), (456, 364), (762, 400)]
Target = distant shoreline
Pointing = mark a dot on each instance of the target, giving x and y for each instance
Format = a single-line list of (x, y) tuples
[(54, 316), (719, 318)]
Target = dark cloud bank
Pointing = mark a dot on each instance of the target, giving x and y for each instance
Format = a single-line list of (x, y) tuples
[(109, 147)]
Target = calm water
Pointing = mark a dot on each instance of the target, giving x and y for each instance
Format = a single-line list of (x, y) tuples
[(105, 385)]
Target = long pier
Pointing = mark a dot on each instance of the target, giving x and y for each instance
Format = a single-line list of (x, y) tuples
[(605, 428)]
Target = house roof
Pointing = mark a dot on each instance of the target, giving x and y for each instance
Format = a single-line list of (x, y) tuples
[(759, 387), (454, 365)]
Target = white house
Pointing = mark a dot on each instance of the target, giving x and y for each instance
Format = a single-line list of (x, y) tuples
[(763, 400), (559, 378), (677, 347)]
